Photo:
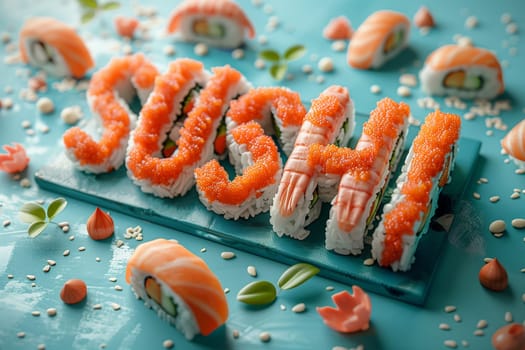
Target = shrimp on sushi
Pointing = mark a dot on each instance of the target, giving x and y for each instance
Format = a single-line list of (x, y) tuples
[(171, 175), (55, 47), (220, 23), (296, 204), (425, 172), (179, 286), (259, 171), (362, 186), (514, 144), (381, 37), (110, 90), (462, 71)]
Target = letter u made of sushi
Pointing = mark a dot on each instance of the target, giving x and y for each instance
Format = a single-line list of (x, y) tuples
[(414, 200), (297, 202), (250, 121), (178, 126), (55, 47), (100, 146), (462, 71), (218, 23), (179, 286), (381, 37)]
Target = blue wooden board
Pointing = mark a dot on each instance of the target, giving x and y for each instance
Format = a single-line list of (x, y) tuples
[(116, 191)]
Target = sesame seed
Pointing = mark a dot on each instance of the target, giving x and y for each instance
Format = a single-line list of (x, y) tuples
[(476, 195), (51, 312), (226, 290), (282, 307), (118, 288), (265, 337), (330, 288), (444, 326), (518, 223), (508, 317), (200, 49), (471, 22), (375, 89), (235, 334), (25, 182), (66, 252), (325, 64), (31, 277), (494, 199), (21, 334), (451, 344), (368, 262), (487, 260), (464, 343), (97, 307), (168, 343), (97, 259), (450, 308), (119, 243), (520, 171), (515, 195), (169, 50), (251, 271), (115, 306), (71, 238), (227, 255), (71, 115), (45, 105), (408, 80), (497, 226), (35, 313), (512, 28), (238, 54), (506, 18), (41, 347), (81, 249), (457, 318), (482, 324), (339, 45), (46, 268), (301, 307), (10, 276), (6, 223), (479, 333), (404, 91), (65, 228)]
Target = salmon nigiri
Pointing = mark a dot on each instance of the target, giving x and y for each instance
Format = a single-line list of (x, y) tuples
[(55, 47), (179, 286), (514, 144)]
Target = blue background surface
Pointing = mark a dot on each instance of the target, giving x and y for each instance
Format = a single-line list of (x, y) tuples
[(394, 324)]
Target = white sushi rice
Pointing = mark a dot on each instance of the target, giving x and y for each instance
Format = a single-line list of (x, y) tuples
[(124, 92), (410, 241), (432, 82), (234, 33), (184, 321), (241, 158), (380, 58), (38, 58), (345, 243)]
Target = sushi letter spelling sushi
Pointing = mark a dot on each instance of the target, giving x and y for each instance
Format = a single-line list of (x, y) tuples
[(171, 175), (296, 204), (382, 36), (110, 90), (179, 286), (219, 23), (462, 71), (55, 47), (426, 170), (363, 183)]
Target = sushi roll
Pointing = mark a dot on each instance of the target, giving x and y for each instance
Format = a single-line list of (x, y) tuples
[(170, 174), (363, 185), (381, 37), (462, 71), (179, 286), (101, 146), (258, 167), (277, 109), (296, 203), (220, 23), (514, 144), (425, 172), (55, 47)]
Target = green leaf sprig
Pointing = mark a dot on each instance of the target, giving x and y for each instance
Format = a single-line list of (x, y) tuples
[(39, 218), (90, 8), (279, 64), (264, 292)]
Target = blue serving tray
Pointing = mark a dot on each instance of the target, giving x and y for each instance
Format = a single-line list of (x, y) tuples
[(116, 191)]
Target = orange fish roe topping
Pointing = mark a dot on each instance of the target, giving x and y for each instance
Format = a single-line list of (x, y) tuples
[(213, 181), (284, 103), (198, 126), (105, 103), (430, 150), (333, 159), (323, 106)]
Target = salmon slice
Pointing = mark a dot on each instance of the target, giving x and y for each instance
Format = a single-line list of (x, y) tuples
[(514, 142)]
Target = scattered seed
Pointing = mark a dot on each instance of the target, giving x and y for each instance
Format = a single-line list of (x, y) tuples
[(115, 306), (494, 199), (457, 318), (523, 297), (444, 326), (251, 271), (515, 195), (169, 50), (235, 334), (282, 307), (487, 260), (65, 228), (520, 171), (10, 276), (118, 288), (33, 285), (168, 343), (35, 313), (97, 306), (71, 238), (31, 277), (119, 243), (26, 124), (508, 316), (45, 105), (46, 268), (404, 91), (482, 324), (6, 223), (329, 288), (450, 308), (21, 334), (368, 262), (464, 343), (200, 49), (25, 183), (112, 279), (51, 312), (226, 290), (451, 344), (51, 262), (301, 307), (339, 45), (66, 252), (41, 347), (265, 336), (375, 89), (238, 54), (325, 64), (476, 195), (497, 226), (471, 22), (81, 249), (227, 255), (408, 80), (97, 259), (479, 333)]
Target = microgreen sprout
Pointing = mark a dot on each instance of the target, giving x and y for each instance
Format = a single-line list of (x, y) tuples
[(279, 63), (39, 218), (90, 8)]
